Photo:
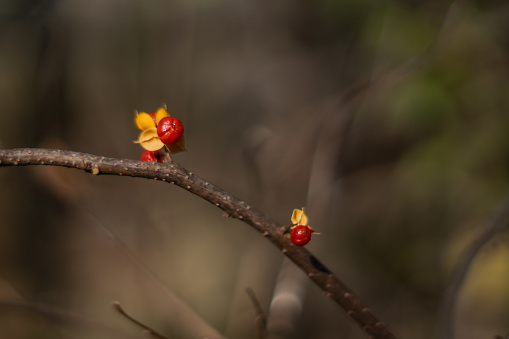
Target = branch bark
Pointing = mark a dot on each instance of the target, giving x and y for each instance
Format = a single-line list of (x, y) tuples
[(236, 208)]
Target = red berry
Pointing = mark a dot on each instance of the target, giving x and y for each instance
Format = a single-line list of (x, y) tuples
[(170, 130), (153, 116), (300, 235), (156, 156)]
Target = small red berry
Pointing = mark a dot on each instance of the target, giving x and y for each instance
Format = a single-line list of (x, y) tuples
[(300, 235), (153, 116), (156, 156), (170, 130)]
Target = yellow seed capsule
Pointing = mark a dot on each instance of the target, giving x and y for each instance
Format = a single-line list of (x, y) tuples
[(149, 140), (299, 217), (161, 113), (144, 121)]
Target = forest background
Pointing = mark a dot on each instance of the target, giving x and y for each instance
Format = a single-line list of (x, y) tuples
[(386, 120)]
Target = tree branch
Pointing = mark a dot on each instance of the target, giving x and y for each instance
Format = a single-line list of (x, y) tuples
[(175, 174), (260, 318), (63, 318), (150, 330), (499, 224)]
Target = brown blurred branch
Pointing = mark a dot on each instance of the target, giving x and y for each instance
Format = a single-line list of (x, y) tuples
[(499, 223), (232, 206), (261, 318), (61, 317), (150, 330)]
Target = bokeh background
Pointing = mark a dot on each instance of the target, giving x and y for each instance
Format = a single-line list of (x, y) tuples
[(399, 176)]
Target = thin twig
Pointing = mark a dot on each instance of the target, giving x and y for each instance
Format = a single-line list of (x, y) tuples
[(261, 318), (63, 318), (153, 332), (232, 206)]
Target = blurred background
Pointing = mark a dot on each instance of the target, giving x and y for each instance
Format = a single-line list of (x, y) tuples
[(399, 176)]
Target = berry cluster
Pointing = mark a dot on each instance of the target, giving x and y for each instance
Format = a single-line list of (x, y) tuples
[(300, 232), (159, 130)]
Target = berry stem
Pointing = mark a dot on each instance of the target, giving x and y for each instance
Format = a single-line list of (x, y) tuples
[(167, 155)]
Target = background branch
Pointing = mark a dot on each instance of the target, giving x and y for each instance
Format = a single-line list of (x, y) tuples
[(236, 208), (150, 330), (62, 318), (261, 318), (495, 227)]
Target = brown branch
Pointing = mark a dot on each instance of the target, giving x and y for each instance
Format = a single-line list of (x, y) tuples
[(150, 330), (175, 174), (499, 224), (261, 319), (62, 318)]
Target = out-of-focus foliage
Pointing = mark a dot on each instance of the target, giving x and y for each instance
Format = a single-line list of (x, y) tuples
[(398, 178)]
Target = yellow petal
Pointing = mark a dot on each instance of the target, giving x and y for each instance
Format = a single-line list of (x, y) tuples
[(144, 121), (299, 217), (149, 140), (161, 113)]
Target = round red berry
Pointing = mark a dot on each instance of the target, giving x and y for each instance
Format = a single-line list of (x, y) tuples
[(170, 130), (153, 116), (300, 235), (156, 156)]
